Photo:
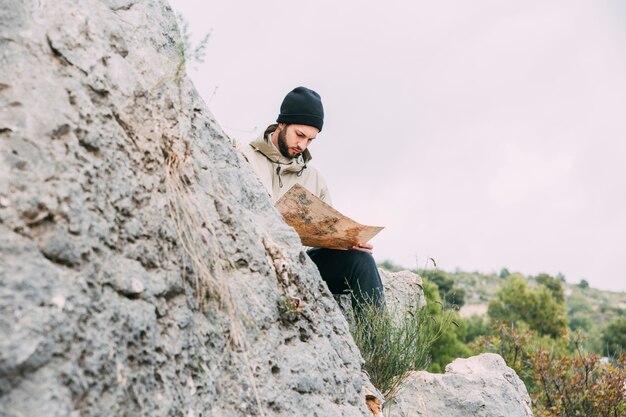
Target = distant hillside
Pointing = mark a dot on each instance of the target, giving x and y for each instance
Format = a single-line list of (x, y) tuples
[(589, 309)]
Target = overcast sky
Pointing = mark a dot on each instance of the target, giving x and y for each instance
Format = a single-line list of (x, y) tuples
[(483, 134)]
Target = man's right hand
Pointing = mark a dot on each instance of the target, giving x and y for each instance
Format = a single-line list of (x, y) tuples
[(364, 247)]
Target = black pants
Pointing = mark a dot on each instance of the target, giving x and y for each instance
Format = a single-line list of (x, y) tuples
[(350, 270)]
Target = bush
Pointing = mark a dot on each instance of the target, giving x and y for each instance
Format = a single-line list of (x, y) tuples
[(449, 345), (393, 343), (542, 308), (476, 326), (578, 384), (447, 290), (390, 266), (614, 337), (561, 377)]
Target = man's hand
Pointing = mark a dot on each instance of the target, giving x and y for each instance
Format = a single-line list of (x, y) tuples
[(364, 247)]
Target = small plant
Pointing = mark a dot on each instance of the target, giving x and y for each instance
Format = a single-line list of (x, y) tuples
[(190, 51), (395, 343), (290, 308)]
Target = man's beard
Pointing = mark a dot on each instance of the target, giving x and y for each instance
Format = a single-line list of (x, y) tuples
[(282, 143)]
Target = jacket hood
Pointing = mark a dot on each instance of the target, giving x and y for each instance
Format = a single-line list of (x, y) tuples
[(267, 148)]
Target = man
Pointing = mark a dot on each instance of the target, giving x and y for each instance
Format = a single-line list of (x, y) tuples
[(280, 158)]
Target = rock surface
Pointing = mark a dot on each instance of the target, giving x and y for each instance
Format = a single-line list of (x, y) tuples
[(143, 269), (403, 290), (480, 386)]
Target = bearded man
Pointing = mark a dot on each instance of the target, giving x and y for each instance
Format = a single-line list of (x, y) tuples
[(280, 157)]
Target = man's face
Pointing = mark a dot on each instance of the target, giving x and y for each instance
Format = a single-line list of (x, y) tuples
[(292, 140)]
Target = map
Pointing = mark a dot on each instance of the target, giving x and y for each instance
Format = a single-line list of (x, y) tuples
[(318, 224)]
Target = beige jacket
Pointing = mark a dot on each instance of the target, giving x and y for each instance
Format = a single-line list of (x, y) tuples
[(278, 173)]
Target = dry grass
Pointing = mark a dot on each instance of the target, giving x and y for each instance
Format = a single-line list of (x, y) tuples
[(197, 238)]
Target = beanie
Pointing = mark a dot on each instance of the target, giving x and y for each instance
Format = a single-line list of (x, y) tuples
[(302, 106)]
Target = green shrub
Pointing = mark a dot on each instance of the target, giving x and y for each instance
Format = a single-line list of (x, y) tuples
[(449, 345), (393, 343), (476, 326), (614, 337), (542, 308)]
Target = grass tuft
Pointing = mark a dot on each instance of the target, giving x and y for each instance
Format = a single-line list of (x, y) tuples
[(394, 343)]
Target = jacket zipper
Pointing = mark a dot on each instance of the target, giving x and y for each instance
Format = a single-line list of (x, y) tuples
[(280, 180)]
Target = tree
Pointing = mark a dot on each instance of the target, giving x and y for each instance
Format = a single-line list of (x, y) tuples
[(553, 284), (504, 273), (445, 284), (614, 336), (583, 284), (537, 307), (578, 310), (390, 266), (476, 326)]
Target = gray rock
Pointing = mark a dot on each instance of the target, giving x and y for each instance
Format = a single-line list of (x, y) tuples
[(403, 291), (480, 386), (136, 276)]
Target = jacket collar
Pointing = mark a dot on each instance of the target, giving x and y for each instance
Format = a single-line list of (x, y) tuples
[(264, 145)]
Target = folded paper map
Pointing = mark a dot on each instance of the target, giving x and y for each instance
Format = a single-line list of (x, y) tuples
[(318, 224)]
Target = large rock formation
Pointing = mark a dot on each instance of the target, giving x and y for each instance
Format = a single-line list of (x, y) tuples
[(143, 269), (481, 386)]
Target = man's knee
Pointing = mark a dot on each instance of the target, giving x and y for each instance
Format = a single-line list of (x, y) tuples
[(359, 259)]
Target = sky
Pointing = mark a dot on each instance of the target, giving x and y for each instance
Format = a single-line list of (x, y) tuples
[(482, 134)]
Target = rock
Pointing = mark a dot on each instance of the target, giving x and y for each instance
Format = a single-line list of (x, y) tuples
[(403, 291), (138, 252), (480, 386)]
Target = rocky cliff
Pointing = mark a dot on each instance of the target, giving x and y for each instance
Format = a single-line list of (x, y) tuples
[(143, 268)]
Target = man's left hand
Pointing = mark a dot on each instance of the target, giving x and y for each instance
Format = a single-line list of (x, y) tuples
[(364, 247)]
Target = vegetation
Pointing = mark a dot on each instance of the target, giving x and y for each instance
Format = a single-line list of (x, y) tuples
[(563, 379), (541, 308), (614, 337), (191, 52), (393, 343), (553, 334), (188, 51), (448, 292), (577, 384), (450, 344)]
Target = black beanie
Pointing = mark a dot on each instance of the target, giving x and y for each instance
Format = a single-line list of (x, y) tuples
[(303, 107)]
